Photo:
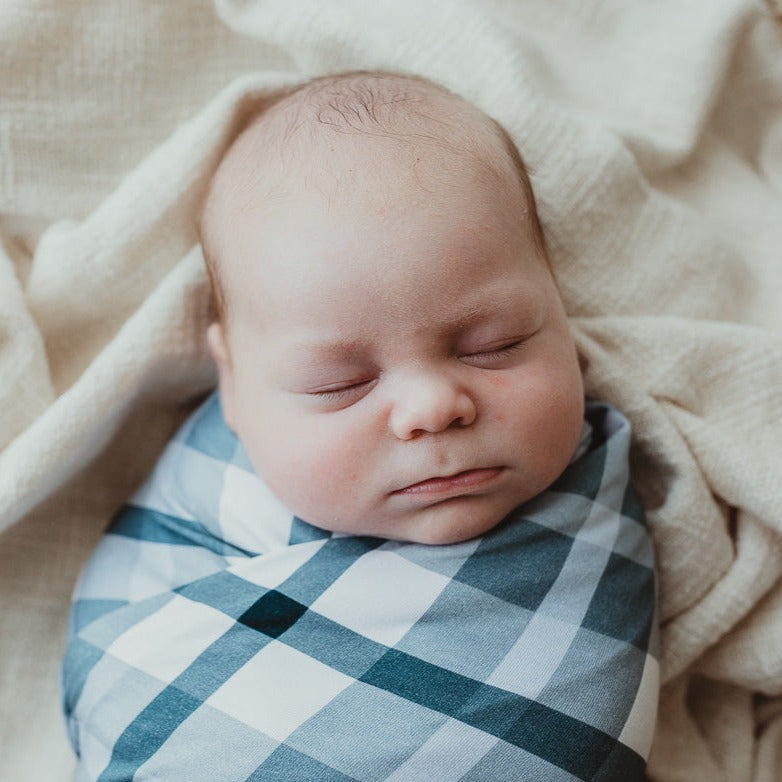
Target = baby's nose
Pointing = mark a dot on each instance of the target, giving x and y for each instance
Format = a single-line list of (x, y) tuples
[(430, 404)]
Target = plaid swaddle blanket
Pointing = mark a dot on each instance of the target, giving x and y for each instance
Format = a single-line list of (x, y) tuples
[(216, 637)]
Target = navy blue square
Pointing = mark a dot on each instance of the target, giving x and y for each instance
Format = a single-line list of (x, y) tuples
[(584, 476), (629, 619), (273, 614)]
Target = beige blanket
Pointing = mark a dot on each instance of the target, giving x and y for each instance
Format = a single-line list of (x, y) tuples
[(655, 134)]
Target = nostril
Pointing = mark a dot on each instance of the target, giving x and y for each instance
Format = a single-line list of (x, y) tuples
[(429, 407), (468, 413)]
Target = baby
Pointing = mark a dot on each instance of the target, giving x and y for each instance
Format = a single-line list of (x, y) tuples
[(396, 370), (392, 350)]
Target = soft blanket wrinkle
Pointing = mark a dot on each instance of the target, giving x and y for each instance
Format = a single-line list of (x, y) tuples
[(654, 134)]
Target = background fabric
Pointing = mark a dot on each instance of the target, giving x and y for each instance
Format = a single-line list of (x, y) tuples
[(654, 132)]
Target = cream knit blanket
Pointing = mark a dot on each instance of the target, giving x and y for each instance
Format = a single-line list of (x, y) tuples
[(654, 131)]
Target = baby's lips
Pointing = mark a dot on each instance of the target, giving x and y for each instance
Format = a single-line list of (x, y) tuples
[(472, 478)]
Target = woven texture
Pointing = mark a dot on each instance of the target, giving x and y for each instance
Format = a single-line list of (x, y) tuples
[(654, 134), (217, 636)]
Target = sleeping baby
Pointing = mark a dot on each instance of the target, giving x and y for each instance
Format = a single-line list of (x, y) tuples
[(397, 544)]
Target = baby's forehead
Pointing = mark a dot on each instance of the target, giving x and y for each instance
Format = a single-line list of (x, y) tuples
[(379, 104), (374, 104), (352, 144), (315, 122)]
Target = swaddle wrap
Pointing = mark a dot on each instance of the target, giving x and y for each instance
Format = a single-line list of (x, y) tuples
[(214, 636)]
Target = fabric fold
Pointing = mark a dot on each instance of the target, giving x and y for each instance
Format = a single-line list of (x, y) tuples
[(533, 647), (654, 137)]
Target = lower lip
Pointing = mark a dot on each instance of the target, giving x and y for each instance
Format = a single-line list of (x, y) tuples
[(463, 481)]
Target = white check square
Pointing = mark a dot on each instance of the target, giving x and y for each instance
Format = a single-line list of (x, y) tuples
[(176, 460), (381, 596), (534, 659), (167, 642), (272, 569), (278, 690)]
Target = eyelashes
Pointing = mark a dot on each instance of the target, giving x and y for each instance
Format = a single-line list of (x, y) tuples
[(344, 392), (495, 357), (340, 395)]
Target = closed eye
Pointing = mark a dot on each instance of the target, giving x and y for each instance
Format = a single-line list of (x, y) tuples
[(494, 356), (343, 394)]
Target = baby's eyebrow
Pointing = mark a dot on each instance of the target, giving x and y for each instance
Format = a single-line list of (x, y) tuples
[(317, 346), (517, 303), (331, 349)]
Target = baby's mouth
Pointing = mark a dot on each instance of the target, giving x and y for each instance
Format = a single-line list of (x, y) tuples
[(464, 482)]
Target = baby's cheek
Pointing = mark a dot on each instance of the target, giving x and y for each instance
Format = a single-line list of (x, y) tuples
[(544, 414), (565, 416), (282, 458), (502, 393), (324, 479)]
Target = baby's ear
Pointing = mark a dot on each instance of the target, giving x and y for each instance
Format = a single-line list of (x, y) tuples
[(218, 347)]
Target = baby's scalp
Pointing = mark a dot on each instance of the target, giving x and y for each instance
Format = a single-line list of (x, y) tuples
[(358, 106)]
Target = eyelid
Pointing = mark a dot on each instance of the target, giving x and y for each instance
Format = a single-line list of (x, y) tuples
[(503, 349), (343, 392)]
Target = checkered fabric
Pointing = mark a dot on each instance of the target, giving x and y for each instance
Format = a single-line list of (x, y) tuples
[(216, 637)]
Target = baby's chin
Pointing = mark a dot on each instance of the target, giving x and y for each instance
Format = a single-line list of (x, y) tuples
[(450, 522), (446, 537), (443, 535)]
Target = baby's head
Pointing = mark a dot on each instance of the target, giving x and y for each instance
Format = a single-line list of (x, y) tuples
[(392, 350)]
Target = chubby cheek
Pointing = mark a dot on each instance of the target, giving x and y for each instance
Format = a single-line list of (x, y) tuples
[(503, 390), (317, 474), (545, 417)]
